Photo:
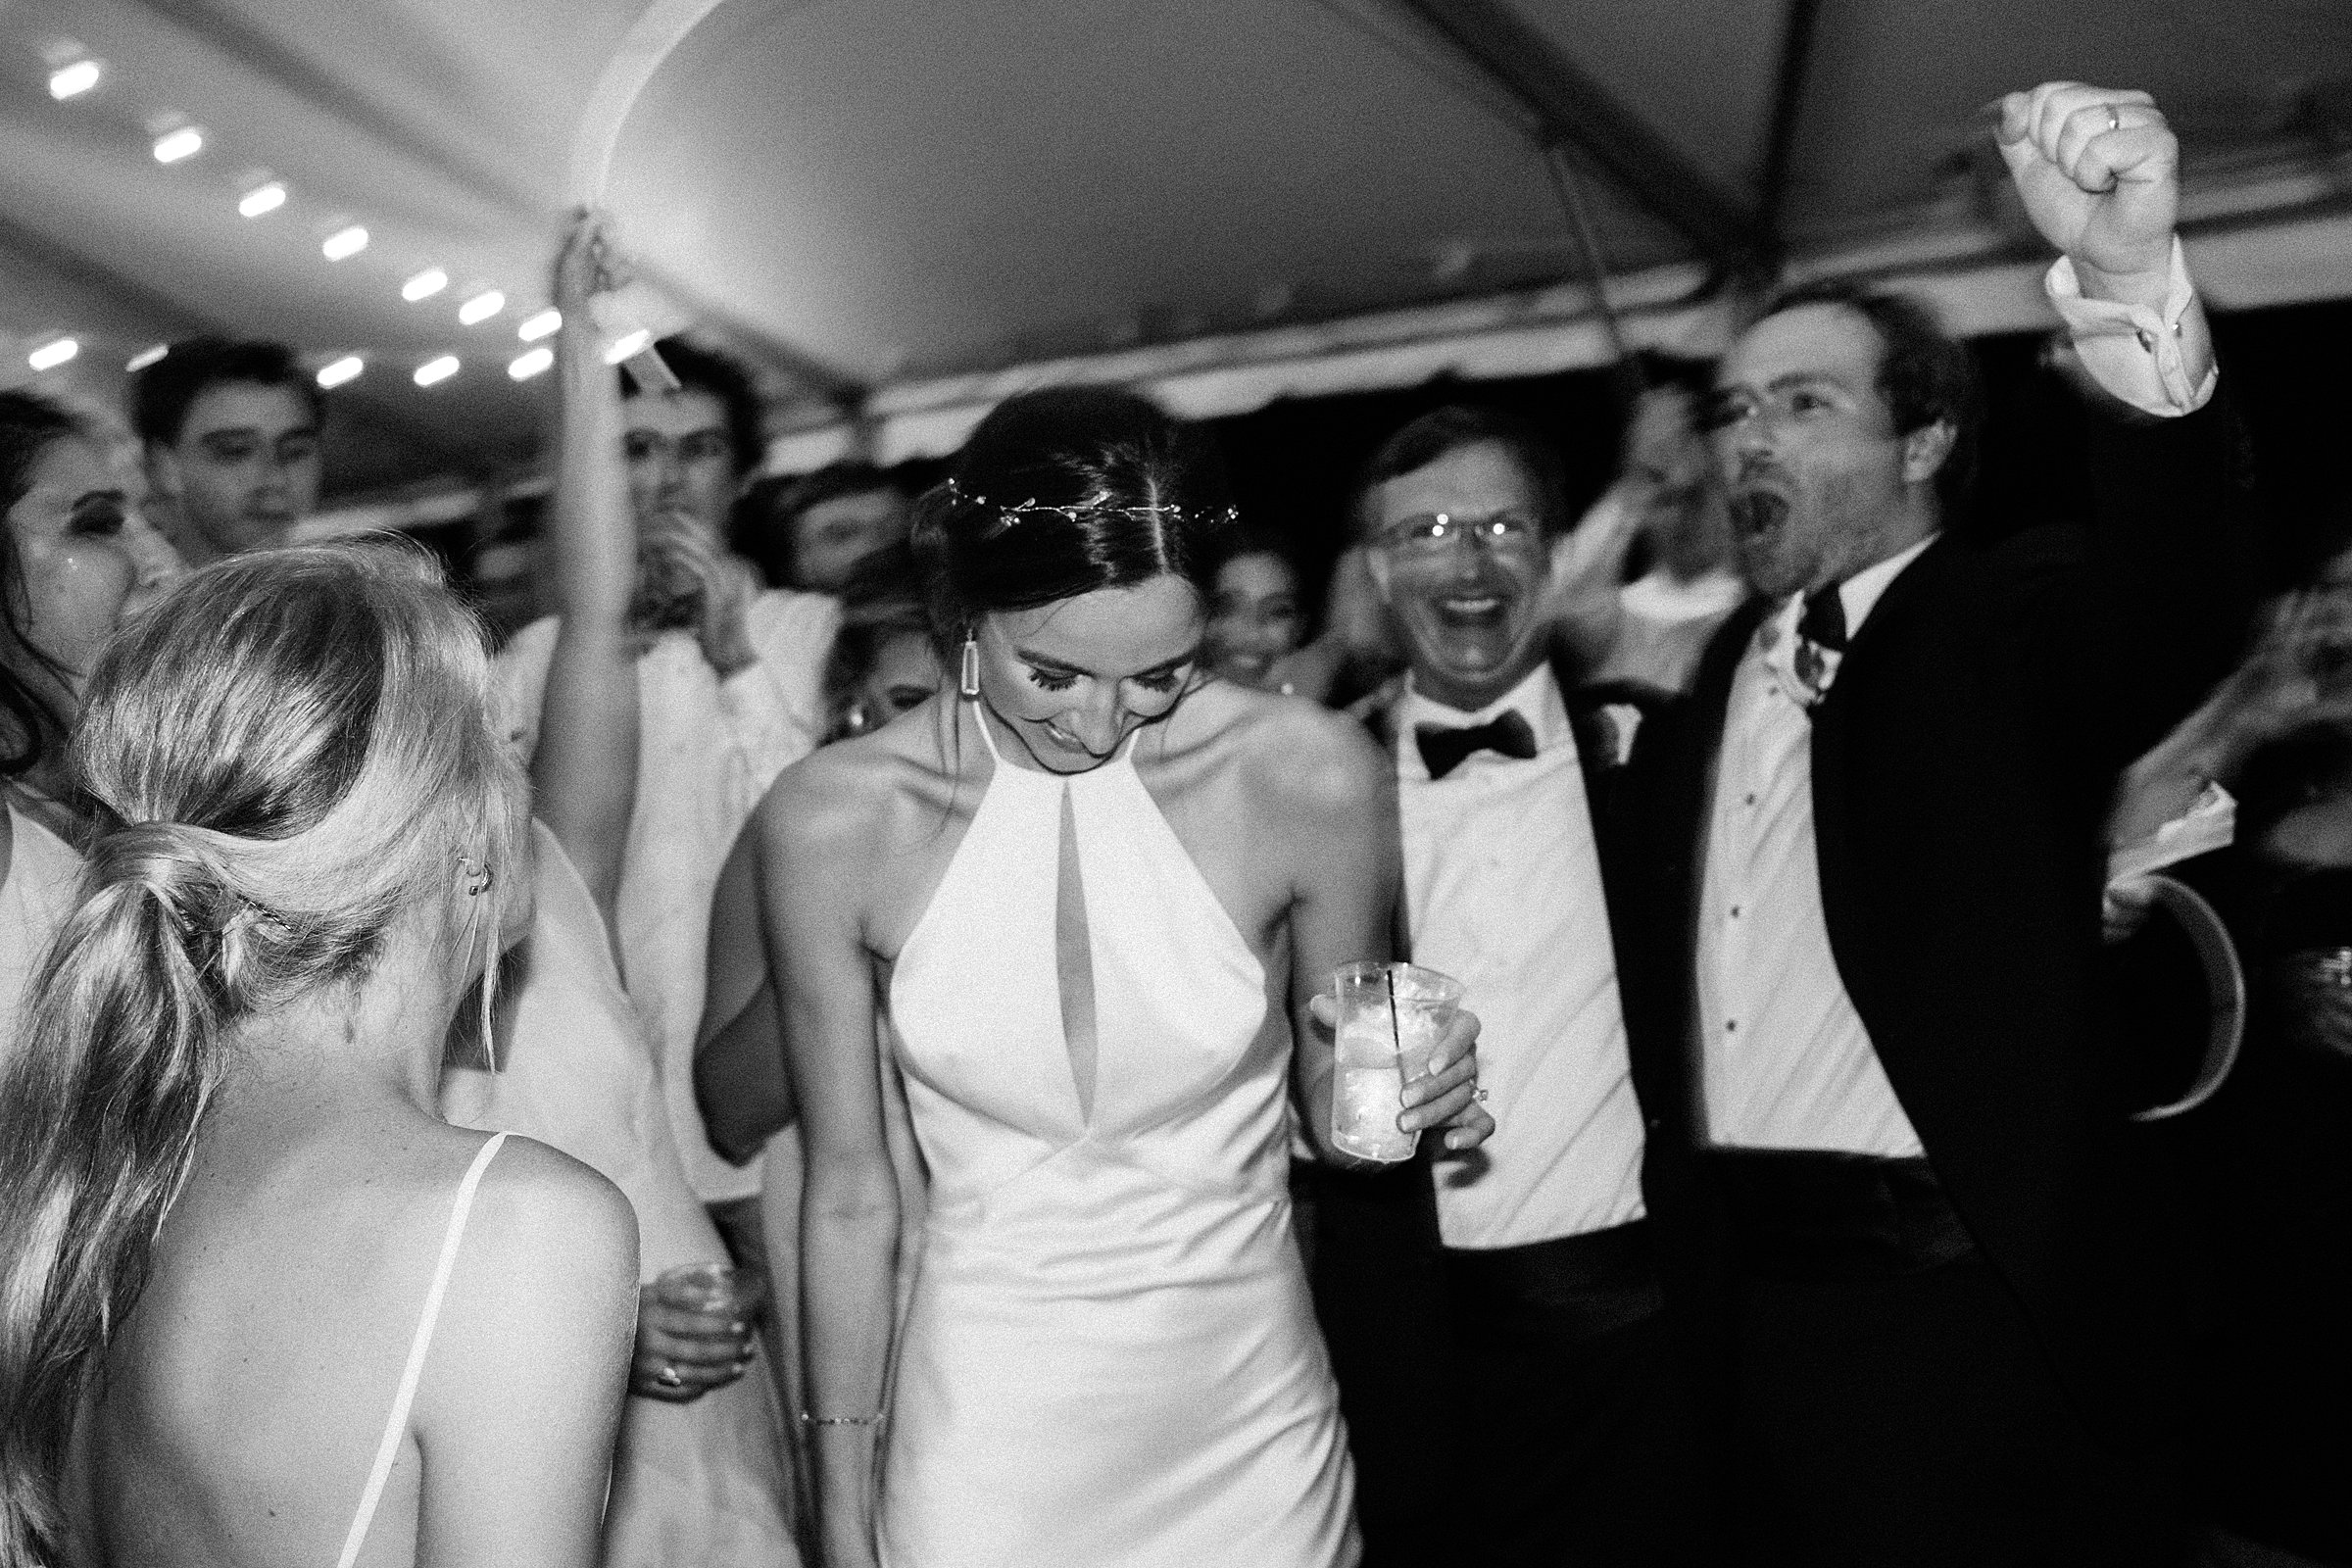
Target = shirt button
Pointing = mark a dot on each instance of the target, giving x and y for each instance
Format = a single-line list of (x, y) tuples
[(1732, 1026), (1752, 799), (1735, 912)]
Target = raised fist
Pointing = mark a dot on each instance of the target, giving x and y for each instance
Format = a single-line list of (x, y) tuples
[(2098, 169)]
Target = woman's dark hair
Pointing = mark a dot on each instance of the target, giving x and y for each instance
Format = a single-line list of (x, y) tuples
[(30, 721), (1063, 492), (882, 600)]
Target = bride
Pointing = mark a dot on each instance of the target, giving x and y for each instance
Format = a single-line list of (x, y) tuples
[(1096, 893)]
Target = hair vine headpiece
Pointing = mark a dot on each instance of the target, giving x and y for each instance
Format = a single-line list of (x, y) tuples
[(1169, 510)]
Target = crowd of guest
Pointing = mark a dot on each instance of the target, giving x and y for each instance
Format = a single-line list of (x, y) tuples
[(909, 922)]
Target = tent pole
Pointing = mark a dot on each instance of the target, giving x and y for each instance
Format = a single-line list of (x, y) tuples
[(1562, 168)]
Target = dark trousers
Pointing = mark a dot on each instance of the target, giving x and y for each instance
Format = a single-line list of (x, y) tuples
[(1380, 1296), (1582, 1443), (1896, 1405)]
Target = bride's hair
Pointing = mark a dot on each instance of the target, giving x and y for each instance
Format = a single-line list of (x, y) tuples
[(294, 752), (1062, 492)]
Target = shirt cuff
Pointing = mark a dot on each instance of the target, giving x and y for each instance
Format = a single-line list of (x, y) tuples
[(2210, 825), (2130, 350)]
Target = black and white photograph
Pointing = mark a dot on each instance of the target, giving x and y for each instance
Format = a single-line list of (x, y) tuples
[(1175, 784)]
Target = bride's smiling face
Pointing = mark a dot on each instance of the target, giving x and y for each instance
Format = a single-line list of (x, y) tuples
[(1074, 678)]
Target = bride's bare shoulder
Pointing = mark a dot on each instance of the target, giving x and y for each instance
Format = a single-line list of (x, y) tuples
[(1299, 755), (842, 799)]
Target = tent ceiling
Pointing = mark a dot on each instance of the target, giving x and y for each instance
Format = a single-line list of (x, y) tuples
[(893, 193)]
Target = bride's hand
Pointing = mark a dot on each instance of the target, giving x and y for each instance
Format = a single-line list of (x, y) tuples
[(1449, 1097)]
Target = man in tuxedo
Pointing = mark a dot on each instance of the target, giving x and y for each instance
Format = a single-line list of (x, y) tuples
[(1530, 1258), (1894, 1150)]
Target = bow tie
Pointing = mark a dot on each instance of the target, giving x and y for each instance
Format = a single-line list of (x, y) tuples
[(1443, 747), (1820, 633)]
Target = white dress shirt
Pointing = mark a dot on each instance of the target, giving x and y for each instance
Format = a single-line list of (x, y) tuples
[(1788, 1063), (1785, 1059), (707, 748), (1502, 888)]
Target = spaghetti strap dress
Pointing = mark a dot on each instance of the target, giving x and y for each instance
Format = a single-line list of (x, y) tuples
[(396, 1424), (1111, 1355)]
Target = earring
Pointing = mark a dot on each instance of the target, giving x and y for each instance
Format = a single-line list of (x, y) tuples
[(969, 684), (476, 874)]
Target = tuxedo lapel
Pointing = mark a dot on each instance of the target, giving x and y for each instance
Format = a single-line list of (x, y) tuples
[(1848, 722)]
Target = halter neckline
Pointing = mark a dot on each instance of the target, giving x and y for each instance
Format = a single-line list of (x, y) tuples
[(1124, 754)]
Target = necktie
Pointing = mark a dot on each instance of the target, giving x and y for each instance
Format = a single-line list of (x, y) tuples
[(1443, 747), (1820, 632)]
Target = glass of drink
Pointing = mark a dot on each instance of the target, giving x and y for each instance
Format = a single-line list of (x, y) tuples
[(723, 1289), (1391, 1015)]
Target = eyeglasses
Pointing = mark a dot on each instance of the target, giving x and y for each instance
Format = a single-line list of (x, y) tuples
[(1433, 534)]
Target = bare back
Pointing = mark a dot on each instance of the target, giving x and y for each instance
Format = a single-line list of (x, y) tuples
[(243, 1403)]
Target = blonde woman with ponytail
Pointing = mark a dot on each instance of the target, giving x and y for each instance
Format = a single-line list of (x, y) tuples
[(258, 1303)]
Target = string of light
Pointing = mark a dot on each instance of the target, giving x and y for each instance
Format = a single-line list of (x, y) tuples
[(75, 74)]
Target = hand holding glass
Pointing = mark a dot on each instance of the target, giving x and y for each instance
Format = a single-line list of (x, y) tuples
[(719, 1290), (1391, 1016)]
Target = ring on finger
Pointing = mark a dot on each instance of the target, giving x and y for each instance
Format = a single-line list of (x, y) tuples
[(669, 1376), (1478, 1096), (2115, 122)]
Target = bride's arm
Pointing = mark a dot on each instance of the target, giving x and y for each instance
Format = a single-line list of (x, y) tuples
[(814, 832), (1337, 797), (1334, 800)]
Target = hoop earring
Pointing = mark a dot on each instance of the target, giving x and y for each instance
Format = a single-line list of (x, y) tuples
[(969, 685)]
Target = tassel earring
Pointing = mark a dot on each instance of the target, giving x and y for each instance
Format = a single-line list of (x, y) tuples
[(969, 684)]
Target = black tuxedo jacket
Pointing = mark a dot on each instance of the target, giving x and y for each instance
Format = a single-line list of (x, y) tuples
[(1962, 763)]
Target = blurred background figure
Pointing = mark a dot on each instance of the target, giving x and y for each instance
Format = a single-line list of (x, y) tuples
[(231, 432), (1668, 478), (64, 579), (2273, 1164), (811, 532), (883, 661), (698, 1476), (1255, 616)]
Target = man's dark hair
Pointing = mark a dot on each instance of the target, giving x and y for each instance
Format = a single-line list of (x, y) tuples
[(164, 391), (1925, 374), (1458, 425), (700, 370)]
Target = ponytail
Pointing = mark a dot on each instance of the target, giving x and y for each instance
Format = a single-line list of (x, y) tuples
[(291, 751), (118, 1054)]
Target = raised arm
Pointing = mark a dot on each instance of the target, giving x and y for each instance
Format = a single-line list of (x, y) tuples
[(584, 772), (1337, 797), (2173, 539), (814, 831)]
